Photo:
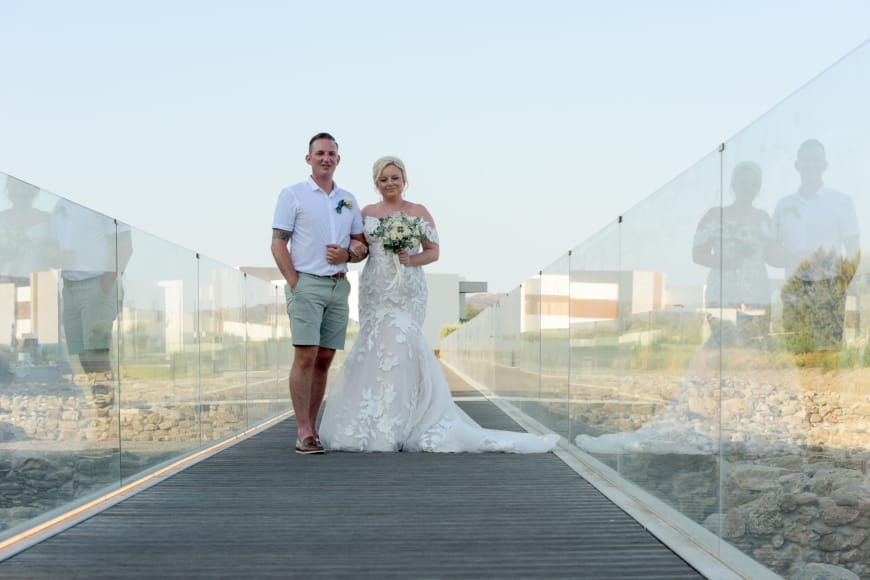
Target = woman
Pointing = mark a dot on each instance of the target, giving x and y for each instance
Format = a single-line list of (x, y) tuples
[(26, 244), (392, 395), (734, 242)]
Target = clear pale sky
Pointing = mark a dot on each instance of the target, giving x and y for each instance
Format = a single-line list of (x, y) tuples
[(526, 127)]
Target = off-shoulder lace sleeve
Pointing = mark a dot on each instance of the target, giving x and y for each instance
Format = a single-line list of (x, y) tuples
[(430, 232)]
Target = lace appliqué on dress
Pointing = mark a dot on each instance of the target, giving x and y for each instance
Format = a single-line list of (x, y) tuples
[(391, 394)]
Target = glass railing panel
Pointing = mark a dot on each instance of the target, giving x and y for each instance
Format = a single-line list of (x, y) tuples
[(670, 323), (457, 350), (468, 346), (261, 349), (795, 367), (159, 353), (223, 390), (668, 415), (492, 317), (509, 380), (597, 407), (483, 347), (733, 376), (58, 354), (448, 351), (284, 348), (525, 352), (555, 315), (460, 350)]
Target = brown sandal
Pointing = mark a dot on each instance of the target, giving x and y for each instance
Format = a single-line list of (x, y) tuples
[(309, 446)]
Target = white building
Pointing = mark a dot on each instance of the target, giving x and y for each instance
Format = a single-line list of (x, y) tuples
[(446, 302)]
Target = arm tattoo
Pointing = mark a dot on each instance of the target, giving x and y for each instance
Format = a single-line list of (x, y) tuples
[(280, 235)]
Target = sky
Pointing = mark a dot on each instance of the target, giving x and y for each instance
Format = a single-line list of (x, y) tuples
[(525, 127)]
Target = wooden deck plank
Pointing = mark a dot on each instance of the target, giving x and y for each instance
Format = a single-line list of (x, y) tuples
[(258, 510)]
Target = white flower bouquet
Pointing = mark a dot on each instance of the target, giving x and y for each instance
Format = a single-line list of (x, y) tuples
[(400, 231)]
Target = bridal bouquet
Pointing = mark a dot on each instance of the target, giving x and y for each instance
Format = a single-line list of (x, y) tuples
[(399, 232)]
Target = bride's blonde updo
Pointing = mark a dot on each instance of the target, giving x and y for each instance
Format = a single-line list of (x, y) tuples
[(385, 162)]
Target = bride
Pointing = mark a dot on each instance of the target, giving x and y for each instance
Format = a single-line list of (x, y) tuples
[(391, 394)]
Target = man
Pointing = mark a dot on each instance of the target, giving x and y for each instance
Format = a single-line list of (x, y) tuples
[(323, 224), (95, 251), (818, 235)]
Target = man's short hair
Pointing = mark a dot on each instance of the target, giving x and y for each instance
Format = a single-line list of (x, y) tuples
[(811, 146), (321, 136)]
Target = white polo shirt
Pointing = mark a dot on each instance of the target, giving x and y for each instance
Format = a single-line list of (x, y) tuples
[(87, 240), (806, 224), (313, 219)]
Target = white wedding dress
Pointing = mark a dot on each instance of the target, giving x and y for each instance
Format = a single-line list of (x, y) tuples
[(391, 394)]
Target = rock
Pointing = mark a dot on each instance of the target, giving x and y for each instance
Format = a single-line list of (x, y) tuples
[(845, 497), (756, 477), (838, 515), (763, 515), (787, 502), (824, 572), (731, 525), (691, 484), (807, 498), (9, 432), (800, 534), (834, 543)]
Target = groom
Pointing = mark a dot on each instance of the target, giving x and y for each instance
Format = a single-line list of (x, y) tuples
[(323, 226), (819, 244)]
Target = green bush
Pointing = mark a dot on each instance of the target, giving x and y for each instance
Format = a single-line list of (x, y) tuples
[(813, 302), (448, 329)]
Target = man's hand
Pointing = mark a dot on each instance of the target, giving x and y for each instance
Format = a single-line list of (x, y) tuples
[(293, 280), (335, 254), (107, 280)]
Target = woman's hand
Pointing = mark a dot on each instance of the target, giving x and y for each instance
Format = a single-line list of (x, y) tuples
[(358, 249), (404, 258)]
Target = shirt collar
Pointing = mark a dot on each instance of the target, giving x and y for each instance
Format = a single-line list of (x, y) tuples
[(816, 195), (314, 187)]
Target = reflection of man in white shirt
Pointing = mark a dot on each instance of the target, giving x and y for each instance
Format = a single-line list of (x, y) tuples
[(815, 217), (819, 237), (93, 250)]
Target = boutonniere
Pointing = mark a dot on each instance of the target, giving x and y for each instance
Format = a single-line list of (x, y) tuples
[(792, 210), (344, 203)]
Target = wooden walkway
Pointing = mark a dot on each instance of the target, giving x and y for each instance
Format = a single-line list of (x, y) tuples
[(258, 510)]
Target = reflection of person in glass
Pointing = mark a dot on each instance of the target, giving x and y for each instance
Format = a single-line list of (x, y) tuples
[(25, 242), (734, 243), (819, 247), (91, 262), (26, 247)]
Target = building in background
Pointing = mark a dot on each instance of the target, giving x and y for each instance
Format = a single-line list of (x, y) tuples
[(553, 301), (446, 304)]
